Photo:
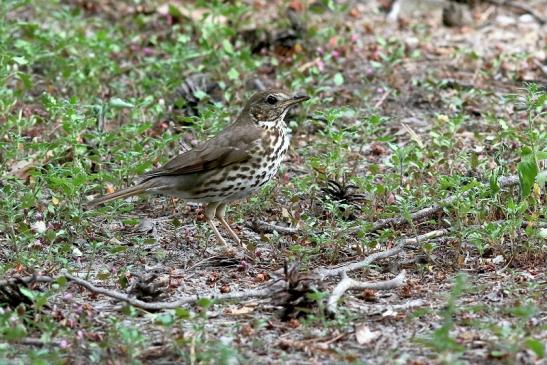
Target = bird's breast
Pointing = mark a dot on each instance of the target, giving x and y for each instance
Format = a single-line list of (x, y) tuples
[(240, 179), (263, 164)]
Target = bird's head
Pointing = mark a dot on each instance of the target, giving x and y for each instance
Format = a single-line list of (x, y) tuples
[(268, 108)]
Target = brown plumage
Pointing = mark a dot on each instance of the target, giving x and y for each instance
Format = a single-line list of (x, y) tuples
[(237, 162)]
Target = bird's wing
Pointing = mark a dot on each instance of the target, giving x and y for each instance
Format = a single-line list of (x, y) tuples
[(223, 150)]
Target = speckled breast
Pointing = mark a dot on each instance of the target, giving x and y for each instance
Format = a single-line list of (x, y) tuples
[(262, 166)]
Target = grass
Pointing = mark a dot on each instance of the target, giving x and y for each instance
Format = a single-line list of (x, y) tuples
[(87, 101)]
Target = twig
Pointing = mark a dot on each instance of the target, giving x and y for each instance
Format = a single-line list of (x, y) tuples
[(315, 344), (261, 292), (348, 283), (266, 290), (265, 227), (37, 342), (381, 308), (333, 271), (503, 182), (28, 279), (520, 6), (382, 99), (307, 65)]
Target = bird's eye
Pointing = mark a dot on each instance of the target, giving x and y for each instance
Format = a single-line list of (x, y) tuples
[(271, 100)]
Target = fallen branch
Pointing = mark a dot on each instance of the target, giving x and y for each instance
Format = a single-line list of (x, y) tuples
[(28, 279), (37, 342), (520, 5), (382, 99), (266, 290), (381, 308), (261, 292), (265, 227), (352, 266), (503, 182), (311, 344), (348, 283)]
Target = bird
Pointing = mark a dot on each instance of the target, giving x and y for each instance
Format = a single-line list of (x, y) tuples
[(234, 164)]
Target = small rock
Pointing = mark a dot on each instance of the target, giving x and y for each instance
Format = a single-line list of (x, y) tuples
[(38, 227), (498, 260), (456, 15)]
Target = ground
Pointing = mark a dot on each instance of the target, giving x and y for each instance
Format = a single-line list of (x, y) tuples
[(414, 105)]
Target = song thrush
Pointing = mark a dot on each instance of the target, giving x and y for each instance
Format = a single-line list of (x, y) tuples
[(237, 162)]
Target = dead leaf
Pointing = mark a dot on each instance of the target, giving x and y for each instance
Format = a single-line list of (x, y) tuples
[(247, 330), (38, 227), (413, 135), (22, 169), (110, 188), (364, 335), (355, 13), (239, 311), (293, 323), (196, 15), (389, 313), (225, 289), (296, 5)]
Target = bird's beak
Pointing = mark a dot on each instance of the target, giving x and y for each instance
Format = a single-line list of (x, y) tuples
[(297, 99)]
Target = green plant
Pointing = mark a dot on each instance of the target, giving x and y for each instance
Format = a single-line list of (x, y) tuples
[(441, 341)]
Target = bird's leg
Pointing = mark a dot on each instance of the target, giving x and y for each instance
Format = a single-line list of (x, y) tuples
[(221, 211), (174, 203), (209, 212)]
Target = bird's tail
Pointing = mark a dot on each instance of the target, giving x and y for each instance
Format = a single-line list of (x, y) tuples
[(124, 193)]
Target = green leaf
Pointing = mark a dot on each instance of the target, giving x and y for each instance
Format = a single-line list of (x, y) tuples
[(62, 280), (182, 313), (528, 170), (122, 281), (28, 293), (20, 60), (541, 155), (204, 303), (14, 333), (497, 353), (494, 186), (233, 74), (537, 346), (174, 11), (474, 161), (471, 185), (228, 48), (103, 275), (200, 94), (542, 178), (120, 103), (164, 319), (338, 79)]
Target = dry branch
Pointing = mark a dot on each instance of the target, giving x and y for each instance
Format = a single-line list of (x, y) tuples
[(348, 283), (352, 266), (265, 227), (37, 342), (261, 292), (266, 290), (522, 6), (504, 182)]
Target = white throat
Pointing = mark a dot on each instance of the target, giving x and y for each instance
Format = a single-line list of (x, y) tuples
[(276, 123)]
